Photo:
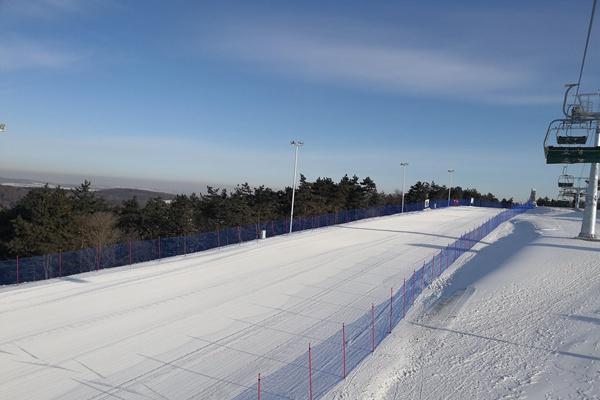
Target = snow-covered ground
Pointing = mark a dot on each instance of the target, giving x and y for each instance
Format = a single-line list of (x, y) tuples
[(519, 317), (202, 326)]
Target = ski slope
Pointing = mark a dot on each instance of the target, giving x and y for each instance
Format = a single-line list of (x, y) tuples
[(202, 326), (519, 317)]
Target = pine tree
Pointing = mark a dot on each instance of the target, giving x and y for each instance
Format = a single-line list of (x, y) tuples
[(44, 222), (130, 218)]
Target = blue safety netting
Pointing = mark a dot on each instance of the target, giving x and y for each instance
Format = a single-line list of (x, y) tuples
[(305, 378), (26, 269)]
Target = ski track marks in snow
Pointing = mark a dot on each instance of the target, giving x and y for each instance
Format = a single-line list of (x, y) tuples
[(517, 319), (202, 326)]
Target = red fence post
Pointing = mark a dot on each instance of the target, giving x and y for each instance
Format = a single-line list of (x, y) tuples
[(404, 299), (310, 396), (372, 328), (412, 295), (17, 269), (391, 298), (259, 386), (344, 350)]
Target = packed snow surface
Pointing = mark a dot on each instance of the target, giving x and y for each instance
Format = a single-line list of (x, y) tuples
[(518, 317), (202, 326)]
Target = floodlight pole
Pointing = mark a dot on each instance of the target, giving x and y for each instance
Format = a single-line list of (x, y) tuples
[(588, 224), (297, 145), (403, 164), (450, 171)]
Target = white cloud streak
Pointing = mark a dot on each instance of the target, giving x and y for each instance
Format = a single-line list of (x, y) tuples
[(24, 54), (44, 8), (388, 68)]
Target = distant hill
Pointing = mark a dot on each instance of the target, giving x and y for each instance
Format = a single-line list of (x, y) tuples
[(118, 195), (11, 191), (9, 195)]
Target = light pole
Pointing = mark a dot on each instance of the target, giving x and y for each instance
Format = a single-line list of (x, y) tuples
[(297, 145), (450, 171), (403, 164), (2, 127)]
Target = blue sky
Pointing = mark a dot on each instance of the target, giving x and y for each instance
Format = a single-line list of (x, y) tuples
[(178, 94)]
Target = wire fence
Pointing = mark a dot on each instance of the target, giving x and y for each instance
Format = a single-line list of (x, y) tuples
[(326, 363), (27, 269)]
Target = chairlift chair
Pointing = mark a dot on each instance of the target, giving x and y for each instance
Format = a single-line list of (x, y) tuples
[(582, 107), (570, 142), (565, 181)]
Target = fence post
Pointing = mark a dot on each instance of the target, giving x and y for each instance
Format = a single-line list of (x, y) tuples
[(412, 295), (372, 328), (310, 396), (60, 262), (184, 245), (344, 350), (404, 299), (391, 299), (239, 235), (97, 257), (259, 386), (218, 236), (130, 257), (17, 269)]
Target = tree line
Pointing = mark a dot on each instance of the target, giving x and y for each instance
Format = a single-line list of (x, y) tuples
[(49, 220)]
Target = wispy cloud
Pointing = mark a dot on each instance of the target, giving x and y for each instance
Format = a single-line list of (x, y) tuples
[(412, 70), (44, 8), (25, 54)]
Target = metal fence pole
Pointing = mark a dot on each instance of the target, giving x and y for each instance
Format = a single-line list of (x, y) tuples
[(344, 350), (310, 393), (372, 328), (391, 299), (259, 391)]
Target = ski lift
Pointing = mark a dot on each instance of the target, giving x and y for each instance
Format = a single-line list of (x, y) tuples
[(564, 180), (582, 107), (570, 140)]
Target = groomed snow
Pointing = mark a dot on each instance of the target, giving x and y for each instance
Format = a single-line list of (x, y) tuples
[(519, 317), (202, 326)]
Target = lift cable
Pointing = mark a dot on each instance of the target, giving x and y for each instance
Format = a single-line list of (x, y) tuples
[(585, 49), (587, 42)]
